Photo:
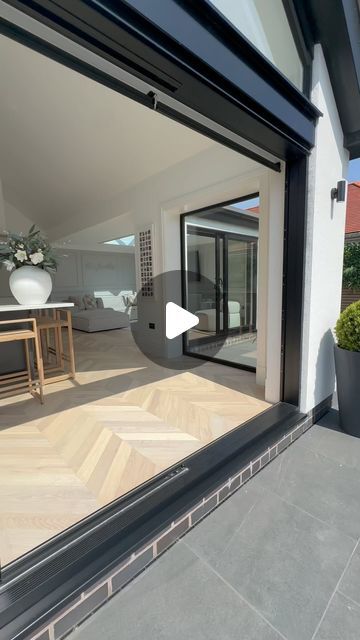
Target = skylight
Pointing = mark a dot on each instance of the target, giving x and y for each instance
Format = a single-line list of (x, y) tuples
[(125, 241)]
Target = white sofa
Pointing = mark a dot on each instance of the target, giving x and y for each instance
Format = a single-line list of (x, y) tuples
[(96, 318), (91, 320), (207, 317)]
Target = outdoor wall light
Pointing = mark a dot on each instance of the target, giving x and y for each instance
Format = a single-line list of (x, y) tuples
[(339, 192)]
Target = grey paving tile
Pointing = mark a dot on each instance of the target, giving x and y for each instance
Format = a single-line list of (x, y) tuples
[(212, 536), (285, 563), (350, 583), (326, 438), (341, 622), (325, 488), (178, 597)]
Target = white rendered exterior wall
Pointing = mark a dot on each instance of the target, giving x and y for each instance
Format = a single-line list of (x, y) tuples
[(324, 244)]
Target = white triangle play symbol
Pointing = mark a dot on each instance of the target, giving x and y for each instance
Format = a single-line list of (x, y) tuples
[(178, 320)]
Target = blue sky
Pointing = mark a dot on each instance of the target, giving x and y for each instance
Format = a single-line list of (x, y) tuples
[(354, 170)]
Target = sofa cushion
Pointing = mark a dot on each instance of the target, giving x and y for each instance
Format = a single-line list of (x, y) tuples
[(99, 303), (89, 301), (77, 301)]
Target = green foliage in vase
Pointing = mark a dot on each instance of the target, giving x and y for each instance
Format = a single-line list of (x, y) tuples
[(33, 249)]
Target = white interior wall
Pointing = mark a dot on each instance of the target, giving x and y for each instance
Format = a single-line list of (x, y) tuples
[(324, 244)]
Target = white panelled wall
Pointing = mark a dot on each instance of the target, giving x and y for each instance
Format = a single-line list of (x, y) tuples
[(324, 244), (106, 275)]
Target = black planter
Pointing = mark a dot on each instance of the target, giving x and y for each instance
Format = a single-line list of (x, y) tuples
[(347, 365)]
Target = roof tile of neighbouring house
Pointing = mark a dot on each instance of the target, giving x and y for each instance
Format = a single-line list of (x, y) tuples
[(352, 224)]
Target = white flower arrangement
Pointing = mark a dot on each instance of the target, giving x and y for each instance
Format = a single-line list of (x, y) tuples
[(33, 249), (37, 257)]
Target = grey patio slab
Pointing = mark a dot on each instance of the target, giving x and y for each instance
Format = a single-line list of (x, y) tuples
[(341, 621), (178, 597), (281, 560), (320, 486), (212, 537), (327, 439), (350, 583)]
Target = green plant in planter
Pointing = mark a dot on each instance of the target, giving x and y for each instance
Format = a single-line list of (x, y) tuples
[(348, 328)]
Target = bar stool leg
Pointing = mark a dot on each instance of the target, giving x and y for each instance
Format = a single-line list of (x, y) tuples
[(61, 346), (28, 365), (40, 366), (71, 345), (44, 346)]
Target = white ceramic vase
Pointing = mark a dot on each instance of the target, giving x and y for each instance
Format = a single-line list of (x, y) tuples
[(30, 285)]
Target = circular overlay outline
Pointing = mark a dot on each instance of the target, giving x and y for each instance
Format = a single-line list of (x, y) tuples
[(155, 294)]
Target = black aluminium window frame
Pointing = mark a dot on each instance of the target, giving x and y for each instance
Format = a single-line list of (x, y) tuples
[(303, 44), (45, 579), (184, 295)]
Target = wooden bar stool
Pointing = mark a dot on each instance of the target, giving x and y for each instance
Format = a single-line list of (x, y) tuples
[(60, 319), (12, 383)]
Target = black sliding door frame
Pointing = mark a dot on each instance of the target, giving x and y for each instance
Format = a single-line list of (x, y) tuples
[(222, 238)]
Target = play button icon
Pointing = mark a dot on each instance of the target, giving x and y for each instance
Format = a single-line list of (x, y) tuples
[(178, 320), (176, 328)]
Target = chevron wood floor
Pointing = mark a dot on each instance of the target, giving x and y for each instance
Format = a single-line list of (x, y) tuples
[(122, 421)]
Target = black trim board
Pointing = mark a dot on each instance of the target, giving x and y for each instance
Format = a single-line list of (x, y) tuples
[(336, 26), (194, 59), (293, 277), (47, 583)]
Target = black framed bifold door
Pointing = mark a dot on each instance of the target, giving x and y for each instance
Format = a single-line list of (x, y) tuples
[(220, 287)]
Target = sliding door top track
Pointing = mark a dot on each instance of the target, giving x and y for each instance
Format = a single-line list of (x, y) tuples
[(31, 32)]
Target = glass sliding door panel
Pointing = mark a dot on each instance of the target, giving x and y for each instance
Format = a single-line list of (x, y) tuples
[(202, 283), (241, 279)]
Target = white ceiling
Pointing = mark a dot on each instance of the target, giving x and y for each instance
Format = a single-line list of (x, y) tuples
[(68, 142)]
